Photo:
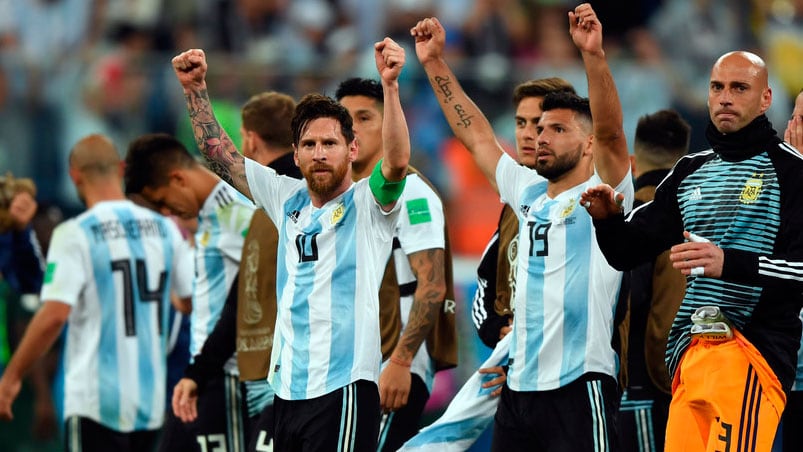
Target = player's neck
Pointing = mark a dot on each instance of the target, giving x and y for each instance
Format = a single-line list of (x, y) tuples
[(103, 192), (568, 180)]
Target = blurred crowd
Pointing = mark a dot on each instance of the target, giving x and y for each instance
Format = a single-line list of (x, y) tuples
[(73, 67)]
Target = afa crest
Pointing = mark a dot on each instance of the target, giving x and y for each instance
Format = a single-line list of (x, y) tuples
[(752, 189), (205, 238), (569, 208), (337, 214)]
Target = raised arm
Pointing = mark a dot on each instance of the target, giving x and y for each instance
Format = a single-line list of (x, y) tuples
[(468, 123), (215, 144), (395, 137), (611, 158)]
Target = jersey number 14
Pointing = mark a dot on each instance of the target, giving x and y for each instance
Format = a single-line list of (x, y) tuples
[(138, 276)]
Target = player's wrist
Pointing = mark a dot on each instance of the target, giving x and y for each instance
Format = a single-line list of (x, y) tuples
[(401, 362)]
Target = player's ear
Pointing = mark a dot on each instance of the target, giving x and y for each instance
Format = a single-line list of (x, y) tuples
[(177, 176)]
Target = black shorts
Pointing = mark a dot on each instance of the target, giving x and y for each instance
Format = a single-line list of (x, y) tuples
[(260, 430), (399, 426), (346, 419), (176, 435), (642, 422), (580, 416), (82, 434)]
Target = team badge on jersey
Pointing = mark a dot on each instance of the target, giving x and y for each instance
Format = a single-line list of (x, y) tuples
[(51, 269), (569, 208), (205, 238), (751, 190), (337, 214)]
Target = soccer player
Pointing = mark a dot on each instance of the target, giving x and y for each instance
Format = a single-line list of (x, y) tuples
[(109, 275), (334, 233), (161, 169), (248, 318), (422, 262), (732, 347), (562, 365)]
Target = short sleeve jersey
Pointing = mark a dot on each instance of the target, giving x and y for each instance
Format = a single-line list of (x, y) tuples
[(328, 275), (565, 290), (222, 225), (115, 265)]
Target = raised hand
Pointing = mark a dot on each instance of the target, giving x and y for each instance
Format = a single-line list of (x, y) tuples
[(190, 68), (430, 39), (585, 29), (389, 59)]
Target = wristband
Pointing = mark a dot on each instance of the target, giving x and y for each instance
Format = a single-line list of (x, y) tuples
[(399, 362)]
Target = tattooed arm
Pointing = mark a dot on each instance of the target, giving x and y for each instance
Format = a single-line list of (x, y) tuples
[(468, 123), (215, 144), (428, 267)]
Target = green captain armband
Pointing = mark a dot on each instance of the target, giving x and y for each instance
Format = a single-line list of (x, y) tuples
[(384, 191)]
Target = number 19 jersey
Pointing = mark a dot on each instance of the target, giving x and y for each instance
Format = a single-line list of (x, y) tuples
[(566, 292), (115, 265)]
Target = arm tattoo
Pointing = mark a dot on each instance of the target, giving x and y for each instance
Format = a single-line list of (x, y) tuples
[(444, 85), (428, 267), (215, 144)]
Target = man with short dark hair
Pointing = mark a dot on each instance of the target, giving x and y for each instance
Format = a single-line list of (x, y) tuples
[(425, 339), (162, 170), (334, 234), (561, 391), (656, 290)]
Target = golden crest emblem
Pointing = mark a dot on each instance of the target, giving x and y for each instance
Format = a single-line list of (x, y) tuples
[(569, 208), (751, 190), (337, 214), (205, 238)]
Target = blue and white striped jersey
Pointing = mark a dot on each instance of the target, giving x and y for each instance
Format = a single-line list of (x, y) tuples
[(115, 265), (329, 269), (565, 290), (222, 225)]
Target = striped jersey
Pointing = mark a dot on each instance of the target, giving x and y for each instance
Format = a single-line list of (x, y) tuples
[(746, 197), (420, 227), (736, 205), (565, 290), (329, 269), (222, 225), (115, 265)]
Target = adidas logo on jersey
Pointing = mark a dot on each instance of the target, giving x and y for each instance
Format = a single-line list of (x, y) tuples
[(294, 215), (524, 209), (696, 194)]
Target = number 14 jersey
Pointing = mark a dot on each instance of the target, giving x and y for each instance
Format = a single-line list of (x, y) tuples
[(115, 265)]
